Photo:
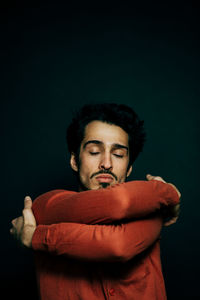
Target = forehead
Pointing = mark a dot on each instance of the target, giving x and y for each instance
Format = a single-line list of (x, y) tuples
[(106, 133)]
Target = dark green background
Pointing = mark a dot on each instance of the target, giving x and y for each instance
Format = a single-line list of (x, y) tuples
[(56, 57)]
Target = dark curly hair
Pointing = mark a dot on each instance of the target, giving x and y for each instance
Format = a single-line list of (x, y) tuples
[(111, 113)]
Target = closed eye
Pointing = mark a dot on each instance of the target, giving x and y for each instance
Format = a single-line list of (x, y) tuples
[(94, 153), (118, 155)]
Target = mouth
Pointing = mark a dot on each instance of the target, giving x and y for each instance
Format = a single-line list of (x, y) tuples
[(104, 178)]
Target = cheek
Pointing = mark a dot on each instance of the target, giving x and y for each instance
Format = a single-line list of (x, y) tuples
[(121, 169), (87, 164), (90, 160)]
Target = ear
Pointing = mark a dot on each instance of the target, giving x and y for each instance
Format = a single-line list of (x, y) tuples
[(73, 163), (129, 171)]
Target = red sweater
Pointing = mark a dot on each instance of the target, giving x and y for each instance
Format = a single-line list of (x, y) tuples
[(101, 244)]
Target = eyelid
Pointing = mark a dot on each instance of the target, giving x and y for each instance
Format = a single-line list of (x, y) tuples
[(94, 153), (94, 146), (94, 149), (119, 151), (118, 155)]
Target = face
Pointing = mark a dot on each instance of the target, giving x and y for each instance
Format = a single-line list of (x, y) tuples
[(104, 156)]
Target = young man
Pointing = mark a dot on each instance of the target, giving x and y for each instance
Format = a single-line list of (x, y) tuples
[(103, 241)]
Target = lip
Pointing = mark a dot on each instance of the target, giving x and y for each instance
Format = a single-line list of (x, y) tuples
[(104, 178)]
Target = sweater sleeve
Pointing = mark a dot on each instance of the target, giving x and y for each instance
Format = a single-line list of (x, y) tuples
[(128, 200), (98, 242)]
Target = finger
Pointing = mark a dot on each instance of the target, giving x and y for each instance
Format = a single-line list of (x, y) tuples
[(29, 218), (12, 230), (171, 221), (13, 222), (149, 177), (158, 178), (177, 209), (27, 202)]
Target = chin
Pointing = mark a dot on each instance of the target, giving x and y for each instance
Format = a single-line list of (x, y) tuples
[(104, 185)]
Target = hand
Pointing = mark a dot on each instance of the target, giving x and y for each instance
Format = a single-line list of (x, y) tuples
[(25, 225), (171, 212)]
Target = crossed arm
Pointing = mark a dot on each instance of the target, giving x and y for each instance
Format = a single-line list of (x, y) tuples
[(98, 242), (102, 242), (135, 199)]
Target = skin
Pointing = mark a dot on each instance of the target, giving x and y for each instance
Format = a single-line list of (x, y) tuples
[(103, 151), (103, 161)]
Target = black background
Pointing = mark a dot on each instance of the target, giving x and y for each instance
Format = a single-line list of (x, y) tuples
[(56, 57)]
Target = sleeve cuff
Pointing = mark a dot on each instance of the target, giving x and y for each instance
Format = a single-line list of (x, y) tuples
[(41, 238)]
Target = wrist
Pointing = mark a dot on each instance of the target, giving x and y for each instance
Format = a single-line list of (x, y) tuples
[(27, 235)]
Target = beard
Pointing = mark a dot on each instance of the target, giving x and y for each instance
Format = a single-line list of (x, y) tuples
[(104, 185)]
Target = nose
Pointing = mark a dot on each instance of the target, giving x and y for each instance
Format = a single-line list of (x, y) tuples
[(106, 162)]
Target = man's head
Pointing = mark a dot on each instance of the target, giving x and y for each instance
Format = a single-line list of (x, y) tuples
[(104, 140)]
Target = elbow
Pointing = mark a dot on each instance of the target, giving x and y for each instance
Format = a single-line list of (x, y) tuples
[(119, 251), (121, 209)]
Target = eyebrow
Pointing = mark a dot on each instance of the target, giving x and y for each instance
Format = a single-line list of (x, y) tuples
[(97, 142)]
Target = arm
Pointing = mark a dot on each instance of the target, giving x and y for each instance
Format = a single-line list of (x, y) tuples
[(131, 200), (98, 242), (87, 242)]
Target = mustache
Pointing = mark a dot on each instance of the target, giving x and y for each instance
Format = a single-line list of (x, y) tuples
[(104, 172)]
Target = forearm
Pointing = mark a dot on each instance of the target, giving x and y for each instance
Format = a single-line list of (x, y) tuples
[(123, 201), (97, 242)]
